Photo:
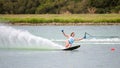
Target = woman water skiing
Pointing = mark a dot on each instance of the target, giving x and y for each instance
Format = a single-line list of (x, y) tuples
[(70, 39)]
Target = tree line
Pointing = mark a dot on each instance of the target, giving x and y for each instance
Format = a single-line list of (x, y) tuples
[(59, 6)]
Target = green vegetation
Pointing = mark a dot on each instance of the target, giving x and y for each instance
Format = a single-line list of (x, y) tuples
[(61, 18), (58, 6), (60, 11)]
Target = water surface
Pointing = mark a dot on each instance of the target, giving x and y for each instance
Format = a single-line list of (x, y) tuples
[(93, 53)]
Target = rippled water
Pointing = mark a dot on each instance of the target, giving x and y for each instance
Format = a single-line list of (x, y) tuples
[(99, 50)]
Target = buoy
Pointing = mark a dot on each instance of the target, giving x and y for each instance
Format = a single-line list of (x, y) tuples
[(112, 49)]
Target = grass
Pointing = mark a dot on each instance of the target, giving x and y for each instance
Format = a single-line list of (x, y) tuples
[(61, 18)]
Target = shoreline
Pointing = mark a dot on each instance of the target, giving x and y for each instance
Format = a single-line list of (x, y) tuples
[(60, 24), (61, 19)]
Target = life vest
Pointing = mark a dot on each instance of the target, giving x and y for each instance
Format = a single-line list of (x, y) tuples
[(71, 40)]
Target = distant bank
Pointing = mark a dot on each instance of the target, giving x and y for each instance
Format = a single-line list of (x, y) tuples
[(61, 19)]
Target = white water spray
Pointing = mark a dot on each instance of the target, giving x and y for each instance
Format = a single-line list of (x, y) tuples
[(14, 38)]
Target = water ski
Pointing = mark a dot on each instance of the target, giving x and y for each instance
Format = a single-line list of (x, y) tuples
[(72, 48)]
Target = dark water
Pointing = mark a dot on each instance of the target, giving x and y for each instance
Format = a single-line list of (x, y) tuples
[(102, 52)]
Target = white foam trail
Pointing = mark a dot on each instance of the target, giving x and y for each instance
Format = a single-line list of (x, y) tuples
[(95, 41), (14, 38), (105, 39)]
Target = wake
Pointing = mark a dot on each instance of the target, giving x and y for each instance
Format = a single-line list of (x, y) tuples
[(94, 41), (16, 38)]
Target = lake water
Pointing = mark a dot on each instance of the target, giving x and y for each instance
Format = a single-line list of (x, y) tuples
[(40, 47)]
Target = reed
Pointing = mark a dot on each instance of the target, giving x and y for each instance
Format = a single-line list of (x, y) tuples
[(61, 18)]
